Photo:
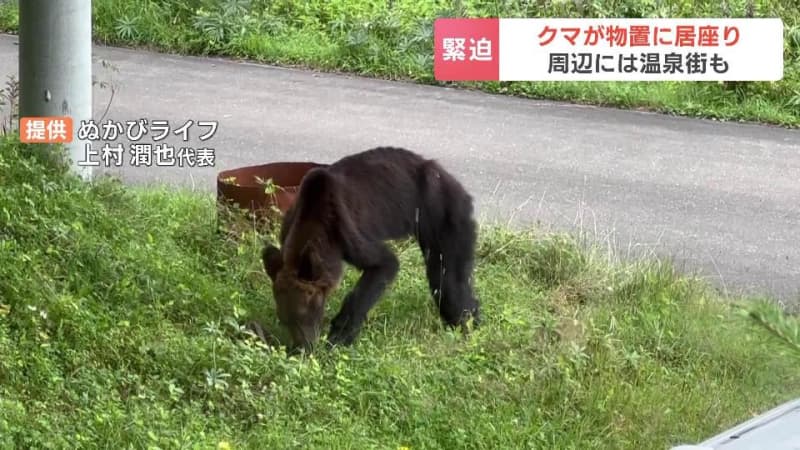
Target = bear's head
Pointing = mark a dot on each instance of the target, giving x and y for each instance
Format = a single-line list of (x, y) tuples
[(300, 289)]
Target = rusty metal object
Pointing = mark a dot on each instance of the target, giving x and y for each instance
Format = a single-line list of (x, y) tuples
[(245, 185)]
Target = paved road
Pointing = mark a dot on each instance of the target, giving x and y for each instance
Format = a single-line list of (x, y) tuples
[(720, 198)]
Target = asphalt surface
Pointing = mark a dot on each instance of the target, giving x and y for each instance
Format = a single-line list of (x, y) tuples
[(719, 198)]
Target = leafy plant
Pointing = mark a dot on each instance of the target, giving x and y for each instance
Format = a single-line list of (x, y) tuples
[(271, 189), (782, 326), (126, 28), (221, 22)]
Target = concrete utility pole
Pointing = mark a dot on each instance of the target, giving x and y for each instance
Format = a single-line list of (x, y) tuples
[(55, 65)]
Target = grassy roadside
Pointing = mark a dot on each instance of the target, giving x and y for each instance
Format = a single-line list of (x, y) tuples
[(120, 314), (393, 39)]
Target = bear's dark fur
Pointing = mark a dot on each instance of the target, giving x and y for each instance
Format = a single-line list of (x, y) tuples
[(345, 212)]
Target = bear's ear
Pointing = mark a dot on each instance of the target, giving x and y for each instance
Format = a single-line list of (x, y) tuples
[(273, 261)]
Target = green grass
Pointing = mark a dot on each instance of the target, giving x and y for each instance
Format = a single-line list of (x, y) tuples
[(393, 39), (121, 315)]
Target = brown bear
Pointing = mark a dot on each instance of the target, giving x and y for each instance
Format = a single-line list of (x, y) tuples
[(344, 212)]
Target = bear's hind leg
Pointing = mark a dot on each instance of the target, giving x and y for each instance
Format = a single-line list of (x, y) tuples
[(449, 264)]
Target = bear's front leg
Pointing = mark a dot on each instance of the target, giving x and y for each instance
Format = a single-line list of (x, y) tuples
[(380, 266), (344, 330)]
